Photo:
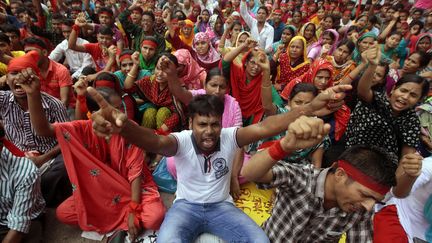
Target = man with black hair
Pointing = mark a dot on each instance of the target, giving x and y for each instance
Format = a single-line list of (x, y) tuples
[(6, 53), (13, 33), (204, 156), (319, 205), (75, 60), (99, 51), (136, 32), (261, 31), (21, 201), (56, 78)]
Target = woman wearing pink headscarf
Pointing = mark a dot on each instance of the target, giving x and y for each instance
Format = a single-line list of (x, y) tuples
[(202, 50), (191, 74)]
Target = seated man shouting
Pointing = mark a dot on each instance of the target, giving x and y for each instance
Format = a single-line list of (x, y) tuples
[(204, 158)]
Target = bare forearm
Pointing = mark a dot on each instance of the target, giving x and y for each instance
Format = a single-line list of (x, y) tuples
[(259, 168), (365, 83), (230, 56), (146, 139), (136, 189), (185, 96), (131, 76), (13, 236), (354, 73), (64, 95), (404, 184), (266, 94)]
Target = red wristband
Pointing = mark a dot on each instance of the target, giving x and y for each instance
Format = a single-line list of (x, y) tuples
[(276, 152), (82, 100), (76, 28)]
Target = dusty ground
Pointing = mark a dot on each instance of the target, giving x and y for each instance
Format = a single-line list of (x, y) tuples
[(56, 232)]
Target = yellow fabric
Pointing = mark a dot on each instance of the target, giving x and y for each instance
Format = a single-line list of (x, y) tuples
[(3, 67), (154, 118), (162, 114), (254, 202), (343, 238)]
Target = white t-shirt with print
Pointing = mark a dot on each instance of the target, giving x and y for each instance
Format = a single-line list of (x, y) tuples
[(194, 183)]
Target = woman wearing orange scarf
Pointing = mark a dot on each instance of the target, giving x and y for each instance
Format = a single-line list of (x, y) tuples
[(187, 33)]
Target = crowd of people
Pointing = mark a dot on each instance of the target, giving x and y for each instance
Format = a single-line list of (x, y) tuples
[(328, 103)]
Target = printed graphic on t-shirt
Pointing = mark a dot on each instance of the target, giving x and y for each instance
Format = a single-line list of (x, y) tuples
[(220, 167)]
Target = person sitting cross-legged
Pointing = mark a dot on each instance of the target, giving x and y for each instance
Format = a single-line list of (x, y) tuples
[(112, 187)]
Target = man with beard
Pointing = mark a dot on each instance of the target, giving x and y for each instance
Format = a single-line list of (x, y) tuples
[(204, 156)]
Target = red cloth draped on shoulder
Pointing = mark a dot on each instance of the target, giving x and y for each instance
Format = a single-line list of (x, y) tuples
[(100, 172), (342, 115), (247, 94)]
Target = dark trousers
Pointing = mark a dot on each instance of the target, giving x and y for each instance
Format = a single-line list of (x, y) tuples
[(55, 184), (33, 236)]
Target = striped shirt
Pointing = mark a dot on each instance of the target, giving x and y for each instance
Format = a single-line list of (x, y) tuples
[(17, 122), (20, 196)]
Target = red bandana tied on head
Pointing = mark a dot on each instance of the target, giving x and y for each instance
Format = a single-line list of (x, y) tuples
[(149, 43), (362, 178), (29, 60)]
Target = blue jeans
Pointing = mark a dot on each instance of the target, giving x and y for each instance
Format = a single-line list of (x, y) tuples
[(185, 221)]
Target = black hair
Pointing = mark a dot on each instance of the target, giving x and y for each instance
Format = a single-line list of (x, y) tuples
[(347, 43), (413, 78), (418, 10), (417, 22), (57, 16), (21, 10), (373, 19), (374, 162), (68, 22), (263, 8), (395, 33), (126, 52), (329, 33), (353, 28), (10, 28), (236, 22), (170, 56), (4, 38), (105, 30), (105, 9), (106, 93), (148, 13), (206, 105), (150, 38), (424, 58), (213, 73), (303, 87), (88, 70), (183, 15), (35, 41)]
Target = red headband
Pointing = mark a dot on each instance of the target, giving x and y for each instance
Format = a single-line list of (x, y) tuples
[(12, 148), (125, 56), (362, 178), (149, 43), (105, 83), (106, 12)]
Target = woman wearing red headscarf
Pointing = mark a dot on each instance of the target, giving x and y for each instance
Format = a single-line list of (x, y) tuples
[(320, 74)]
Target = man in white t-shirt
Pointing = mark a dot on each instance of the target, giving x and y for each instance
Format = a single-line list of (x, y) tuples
[(204, 156)]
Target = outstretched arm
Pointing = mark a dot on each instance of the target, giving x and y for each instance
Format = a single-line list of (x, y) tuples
[(304, 132), (364, 90), (325, 103)]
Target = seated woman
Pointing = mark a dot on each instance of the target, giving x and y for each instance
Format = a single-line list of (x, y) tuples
[(215, 29), (126, 64), (229, 36), (412, 65), (308, 31), (302, 93), (191, 74), (293, 62), (202, 50), (422, 42), (107, 80), (246, 81), (95, 164), (390, 51), (186, 32), (240, 39), (160, 111), (341, 60), (387, 121), (325, 45), (288, 33), (364, 42), (320, 75), (148, 55)]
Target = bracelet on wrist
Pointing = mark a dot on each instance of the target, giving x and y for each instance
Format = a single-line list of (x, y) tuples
[(276, 152), (130, 75)]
